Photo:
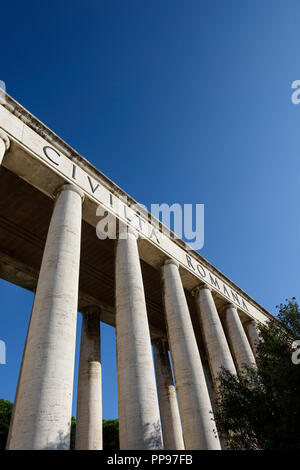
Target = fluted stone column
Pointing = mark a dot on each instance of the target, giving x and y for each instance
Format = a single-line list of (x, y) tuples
[(217, 348), (252, 334), (42, 411), (4, 144), (169, 412), (89, 396), (139, 421), (238, 340), (199, 431)]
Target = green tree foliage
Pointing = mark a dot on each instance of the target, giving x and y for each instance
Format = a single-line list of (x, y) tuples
[(73, 433), (110, 434), (110, 428), (261, 408), (5, 415)]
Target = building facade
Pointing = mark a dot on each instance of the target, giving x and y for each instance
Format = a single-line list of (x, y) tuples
[(161, 296)]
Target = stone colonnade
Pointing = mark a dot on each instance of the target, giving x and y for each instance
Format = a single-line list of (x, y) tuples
[(155, 411)]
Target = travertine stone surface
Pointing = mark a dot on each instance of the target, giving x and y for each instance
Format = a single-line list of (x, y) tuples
[(195, 408), (238, 340), (4, 144), (252, 334), (139, 421), (169, 412), (218, 351), (42, 414), (89, 395)]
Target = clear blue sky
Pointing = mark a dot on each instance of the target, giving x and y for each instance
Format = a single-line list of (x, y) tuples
[(176, 101)]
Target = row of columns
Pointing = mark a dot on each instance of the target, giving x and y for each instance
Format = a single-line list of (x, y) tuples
[(154, 413)]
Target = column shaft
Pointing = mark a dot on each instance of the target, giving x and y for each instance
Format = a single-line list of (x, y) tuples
[(42, 411), (252, 334), (89, 397), (218, 351), (169, 412), (193, 398), (238, 340), (139, 422)]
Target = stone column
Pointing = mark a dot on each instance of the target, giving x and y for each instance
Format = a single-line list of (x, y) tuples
[(218, 351), (4, 144), (238, 340), (199, 431), (252, 334), (89, 397), (139, 421), (42, 411), (169, 412)]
